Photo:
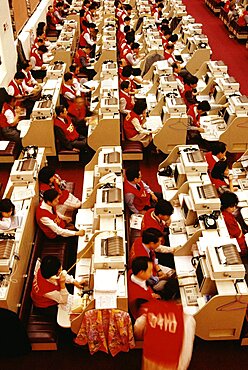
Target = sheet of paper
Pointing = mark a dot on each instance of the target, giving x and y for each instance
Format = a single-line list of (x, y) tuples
[(22, 194), (105, 280), (3, 144), (105, 300), (136, 221)]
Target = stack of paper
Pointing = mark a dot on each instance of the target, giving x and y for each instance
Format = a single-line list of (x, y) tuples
[(105, 288)]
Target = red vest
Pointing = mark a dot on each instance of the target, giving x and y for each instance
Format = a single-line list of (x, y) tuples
[(136, 293), (64, 194), (41, 287), (38, 58), (168, 56), (141, 197), (129, 128), (164, 334), (27, 79), (18, 89), (128, 98), (3, 119), (67, 128), (148, 221), (211, 162), (71, 90), (195, 117), (234, 229), (51, 21), (82, 41), (138, 250), (241, 21), (53, 216), (79, 113)]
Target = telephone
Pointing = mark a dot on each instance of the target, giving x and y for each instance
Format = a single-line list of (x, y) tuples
[(209, 220), (30, 151)]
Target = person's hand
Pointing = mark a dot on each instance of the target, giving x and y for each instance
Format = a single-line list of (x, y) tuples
[(18, 110), (80, 284), (80, 232), (155, 295), (76, 150), (168, 222), (201, 129), (43, 67), (67, 219), (62, 277), (154, 198)]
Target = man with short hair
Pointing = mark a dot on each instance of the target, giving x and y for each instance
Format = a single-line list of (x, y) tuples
[(126, 100), (217, 153)]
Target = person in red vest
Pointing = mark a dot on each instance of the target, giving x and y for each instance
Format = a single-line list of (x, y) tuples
[(218, 153), (126, 74), (78, 112), (10, 117), (134, 122), (222, 178), (49, 179), (50, 222), (176, 67), (194, 128), (88, 37), (189, 93), (168, 54), (49, 289), (229, 202), (70, 90), (137, 193), (29, 84), (67, 135), (243, 19), (15, 87), (126, 100), (51, 20), (36, 60), (138, 291)]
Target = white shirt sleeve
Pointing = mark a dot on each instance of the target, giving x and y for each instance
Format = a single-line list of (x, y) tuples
[(132, 60), (139, 128), (5, 223), (68, 95), (9, 116), (11, 90), (123, 104), (188, 341), (33, 63), (88, 39), (57, 229), (59, 296)]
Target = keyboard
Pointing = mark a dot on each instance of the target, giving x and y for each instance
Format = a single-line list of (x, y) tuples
[(191, 294)]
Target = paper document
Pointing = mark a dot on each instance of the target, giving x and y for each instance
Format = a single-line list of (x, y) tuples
[(105, 288), (22, 194), (136, 221), (3, 144)]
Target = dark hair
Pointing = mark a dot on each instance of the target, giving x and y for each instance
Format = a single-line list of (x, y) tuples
[(127, 18), (125, 84), (219, 147), (59, 109), (6, 206), (41, 25), (174, 66), (192, 80), (228, 199), (173, 38), (170, 47), (43, 48), (50, 266), (161, 5), (204, 106), (139, 106), (39, 32), (132, 173), (218, 170), (128, 7), (140, 264), (130, 38), (165, 21), (166, 30), (19, 76), (135, 45), (49, 195), (127, 71), (59, 3), (68, 76), (163, 207), (25, 64), (9, 98), (151, 235), (91, 25), (73, 67), (45, 174), (127, 29), (92, 6)]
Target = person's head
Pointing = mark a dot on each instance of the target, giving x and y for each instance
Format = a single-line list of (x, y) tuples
[(166, 31), (193, 81), (74, 68), (126, 86), (140, 107), (92, 8), (127, 71), (128, 9), (51, 9), (40, 33), (173, 39), (59, 5), (51, 197), (11, 100), (68, 78), (87, 3), (203, 107), (130, 38), (163, 209), (41, 26), (127, 21), (40, 41), (219, 150), (19, 77), (142, 267), (42, 49), (61, 111), (170, 48), (160, 6), (176, 67), (7, 208), (229, 201), (220, 170), (92, 27), (133, 174), (26, 66), (165, 22), (50, 266), (127, 29), (79, 101), (46, 175), (135, 47), (152, 238)]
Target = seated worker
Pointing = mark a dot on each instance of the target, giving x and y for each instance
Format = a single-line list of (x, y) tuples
[(29, 84), (195, 111), (229, 202), (168, 54), (138, 291), (49, 289), (189, 93), (218, 153), (49, 221), (146, 245), (131, 57), (51, 22), (78, 111), (10, 117), (67, 135), (134, 122), (37, 62), (49, 179), (88, 37), (221, 178), (7, 210), (82, 59), (126, 100), (15, 87), (69, 89), (59, 12), (176, 67), (137, 193), (126, 74)]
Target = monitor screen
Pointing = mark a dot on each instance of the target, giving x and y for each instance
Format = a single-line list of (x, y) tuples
[(226, 116), (215, 93), (176, 174), (185, 208), (206, 78)]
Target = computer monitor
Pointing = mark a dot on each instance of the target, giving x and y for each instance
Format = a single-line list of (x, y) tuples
[(190, 216)]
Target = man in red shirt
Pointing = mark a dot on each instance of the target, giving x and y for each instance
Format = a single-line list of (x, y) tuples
[(218, 153)]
